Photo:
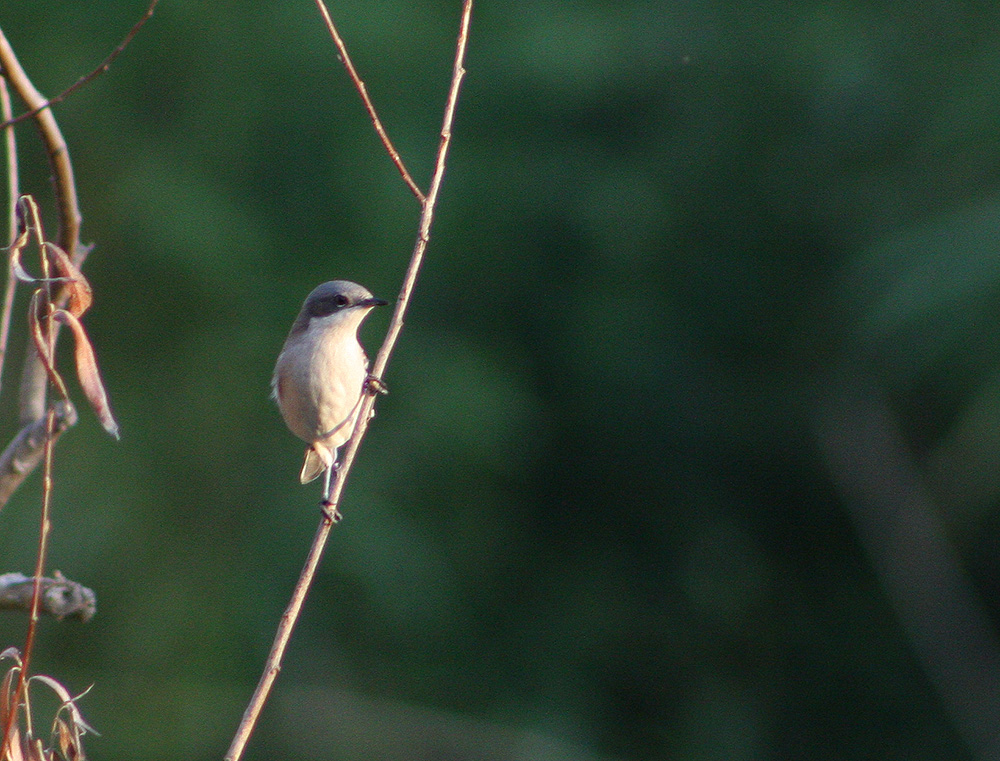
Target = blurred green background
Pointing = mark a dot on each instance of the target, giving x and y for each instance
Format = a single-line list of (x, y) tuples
[(692, 446)]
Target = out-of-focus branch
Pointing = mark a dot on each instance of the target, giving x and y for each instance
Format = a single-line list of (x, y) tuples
[(288, 620), (34, 379), (60, 597), (55, 146), (41, 423), (33, 375), (25, 452), (13, 191), (938, 608)]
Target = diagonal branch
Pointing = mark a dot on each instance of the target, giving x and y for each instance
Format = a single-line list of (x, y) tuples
[(34, 379), (55, 147), (949, 629), (369, 106), (25, 452), (288, 620), (9, 121)]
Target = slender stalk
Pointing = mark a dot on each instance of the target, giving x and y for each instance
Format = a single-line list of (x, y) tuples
[(369, 106), (290, 616), (55, 147), (10, 121), (13, 191), (43, 543), (46, 523)]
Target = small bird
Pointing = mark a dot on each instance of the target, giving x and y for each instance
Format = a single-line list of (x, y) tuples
[(321, 373)]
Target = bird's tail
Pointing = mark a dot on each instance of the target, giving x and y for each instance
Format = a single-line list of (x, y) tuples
[(315, 463)]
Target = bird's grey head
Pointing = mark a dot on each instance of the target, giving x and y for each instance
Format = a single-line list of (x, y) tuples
[(335, 297)]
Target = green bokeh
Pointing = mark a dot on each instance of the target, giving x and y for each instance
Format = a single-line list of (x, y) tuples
[(593, 519)]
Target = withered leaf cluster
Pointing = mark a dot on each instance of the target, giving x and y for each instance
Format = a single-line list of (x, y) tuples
[(61, 281), (65, 740)]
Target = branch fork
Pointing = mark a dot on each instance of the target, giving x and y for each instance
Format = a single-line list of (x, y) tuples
[(330, 510)]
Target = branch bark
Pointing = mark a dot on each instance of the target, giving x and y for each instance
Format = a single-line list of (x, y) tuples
[(60, 597), (13, 191), (290, 617), (55, 147), (34, 379)]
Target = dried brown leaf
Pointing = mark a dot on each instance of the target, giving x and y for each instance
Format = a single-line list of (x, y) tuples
[(89, 375), (81, 296), (15, 258), (7, 687), (53, 685), (16, 750), (69, 733), (68, 740)]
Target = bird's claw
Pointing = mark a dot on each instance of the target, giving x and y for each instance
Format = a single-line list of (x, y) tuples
[(330, 511), (373, 385)]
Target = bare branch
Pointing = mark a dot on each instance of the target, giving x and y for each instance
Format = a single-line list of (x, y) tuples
[(36, 582), (288, 620), (33, 375), (10, 144), (13, 191), (950, 631), (55, 146), (105, 65), (369, 106), (25, 452), (423, 237), (61, 598)]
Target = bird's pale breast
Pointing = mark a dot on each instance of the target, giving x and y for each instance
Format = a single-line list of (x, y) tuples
[(318, 383)]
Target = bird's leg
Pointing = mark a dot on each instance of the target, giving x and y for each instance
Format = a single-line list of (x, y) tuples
[(373, 385), (328, 508)]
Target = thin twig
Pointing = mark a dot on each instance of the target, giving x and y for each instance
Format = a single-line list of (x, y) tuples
[(43, 541), (50, 427), (10, 121), (55, 146), (34, 380), (13, 191), (288, 620), (43, 295), (369, 106)]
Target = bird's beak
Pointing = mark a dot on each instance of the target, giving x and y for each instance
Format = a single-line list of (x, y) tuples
[(372, 302)]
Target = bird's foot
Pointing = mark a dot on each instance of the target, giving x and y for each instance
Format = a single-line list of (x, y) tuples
[(373, 385), (330, 511)]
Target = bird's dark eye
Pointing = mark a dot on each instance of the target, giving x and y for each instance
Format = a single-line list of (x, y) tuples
[(328, 304)]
